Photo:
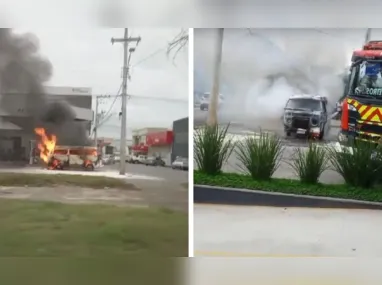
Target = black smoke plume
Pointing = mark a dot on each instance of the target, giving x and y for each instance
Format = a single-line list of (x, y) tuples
[(24, 71)]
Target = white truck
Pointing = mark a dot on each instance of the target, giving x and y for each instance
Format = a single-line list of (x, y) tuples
[(136, 158)]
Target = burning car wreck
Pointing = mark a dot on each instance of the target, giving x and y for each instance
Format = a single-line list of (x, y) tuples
[(305, 116), (58, 157)]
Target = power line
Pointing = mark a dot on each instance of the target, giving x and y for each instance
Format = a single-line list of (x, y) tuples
[(132, 96), (168, 99), (149, 56), (106, 116), (180, 36)]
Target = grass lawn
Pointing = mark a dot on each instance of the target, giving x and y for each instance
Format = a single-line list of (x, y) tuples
[(40, 180), (89, 271), (31, 229), (289, 186)]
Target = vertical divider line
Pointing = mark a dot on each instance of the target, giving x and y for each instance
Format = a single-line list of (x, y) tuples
[(190, 142)]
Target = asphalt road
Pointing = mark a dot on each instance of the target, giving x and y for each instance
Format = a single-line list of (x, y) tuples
[(240, 130), (171, 192), (273, 125), (166, 173)]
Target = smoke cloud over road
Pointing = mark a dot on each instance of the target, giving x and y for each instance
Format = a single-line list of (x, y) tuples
[(24, 71), (261, 69)]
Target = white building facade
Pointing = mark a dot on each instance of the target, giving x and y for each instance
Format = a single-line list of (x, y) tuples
[(15, 123)]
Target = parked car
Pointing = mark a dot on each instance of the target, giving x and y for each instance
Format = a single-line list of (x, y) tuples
[(154, 161), (205, 101), (108, 159), (180, 163), (129, 158), (197, 100), (135, 158)]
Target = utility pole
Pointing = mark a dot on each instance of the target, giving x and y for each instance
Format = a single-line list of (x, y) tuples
[(96, 123), (367, 36), (126, 58), (98, 115)]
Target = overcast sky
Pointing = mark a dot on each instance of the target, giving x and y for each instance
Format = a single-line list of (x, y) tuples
[(85, 57)]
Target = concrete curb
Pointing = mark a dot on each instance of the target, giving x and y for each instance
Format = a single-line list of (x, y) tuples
[(243, 197)]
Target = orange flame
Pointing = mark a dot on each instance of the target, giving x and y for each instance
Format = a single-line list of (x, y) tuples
[(46, 144)]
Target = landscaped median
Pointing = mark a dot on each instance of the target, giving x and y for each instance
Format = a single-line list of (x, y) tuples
[(288, 186), (259, 156)]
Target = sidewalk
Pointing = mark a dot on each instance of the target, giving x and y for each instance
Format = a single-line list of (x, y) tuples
[(97, 172)]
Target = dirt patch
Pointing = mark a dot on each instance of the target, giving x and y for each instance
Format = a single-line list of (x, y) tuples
[(44, 180), (74, 195), (166, 194), (152, 193)]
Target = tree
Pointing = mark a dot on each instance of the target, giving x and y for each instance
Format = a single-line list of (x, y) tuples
[(178, 43), (213, 107)]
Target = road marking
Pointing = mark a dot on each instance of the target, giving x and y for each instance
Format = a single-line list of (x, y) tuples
[(244, 254), (292, 142)]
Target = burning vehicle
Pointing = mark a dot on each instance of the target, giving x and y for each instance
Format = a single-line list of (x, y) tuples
[(306, 116), (58, 157)]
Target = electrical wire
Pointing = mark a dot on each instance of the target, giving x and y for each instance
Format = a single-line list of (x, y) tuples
[(149, 56), (131, 96), (167, 99), (107, 116)]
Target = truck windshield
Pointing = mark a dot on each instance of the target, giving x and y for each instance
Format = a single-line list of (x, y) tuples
[(368, 83), (302, 103)]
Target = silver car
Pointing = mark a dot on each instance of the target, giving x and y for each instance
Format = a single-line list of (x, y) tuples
[(180, 163), (205, 101)]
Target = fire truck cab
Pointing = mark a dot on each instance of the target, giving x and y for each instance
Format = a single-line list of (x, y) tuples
[(362, 106)]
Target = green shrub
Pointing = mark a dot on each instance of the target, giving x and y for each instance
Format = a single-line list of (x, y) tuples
[(259, 156), (309, 164), (356, 164), (212, 148)]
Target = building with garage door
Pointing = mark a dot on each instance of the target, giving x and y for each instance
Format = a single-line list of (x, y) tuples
[(16, 132), (180, 143)]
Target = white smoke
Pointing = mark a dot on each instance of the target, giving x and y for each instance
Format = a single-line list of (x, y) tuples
[(265, 68)]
